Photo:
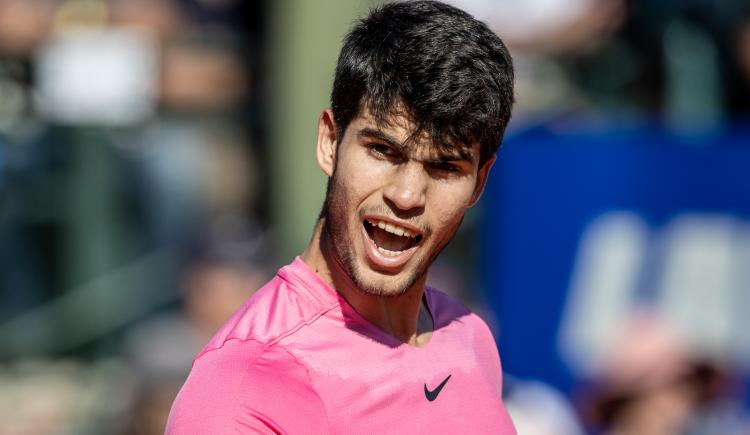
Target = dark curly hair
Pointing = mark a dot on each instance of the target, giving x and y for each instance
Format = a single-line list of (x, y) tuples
[(442, 69)]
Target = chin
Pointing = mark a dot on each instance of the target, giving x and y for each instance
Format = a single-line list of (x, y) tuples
[(382, 284)]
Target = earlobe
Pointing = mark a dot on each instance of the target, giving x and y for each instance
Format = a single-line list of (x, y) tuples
[(327, 140), (482, 175)]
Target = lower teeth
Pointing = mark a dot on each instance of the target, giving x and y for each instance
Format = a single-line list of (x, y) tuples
[(388, 253)]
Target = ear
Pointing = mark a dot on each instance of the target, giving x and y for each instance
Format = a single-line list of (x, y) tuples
[(327, 141), (484, 172)]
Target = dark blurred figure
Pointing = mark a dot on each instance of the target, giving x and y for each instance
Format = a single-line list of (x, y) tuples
[(545, 37), (677, 60), (681, 61), (654, 384), (220, 273), (742, 52)]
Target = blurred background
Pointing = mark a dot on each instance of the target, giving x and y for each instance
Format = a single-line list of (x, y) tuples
[(157, 166)]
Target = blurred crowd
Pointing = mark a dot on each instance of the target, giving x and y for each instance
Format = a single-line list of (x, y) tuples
[(683, 61), (134, 196), (132, 217)]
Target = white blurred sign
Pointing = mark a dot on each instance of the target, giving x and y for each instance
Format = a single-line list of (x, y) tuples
[(98, 77), (696, 268)]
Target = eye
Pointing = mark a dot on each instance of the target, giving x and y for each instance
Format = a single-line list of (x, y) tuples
[(445, 167), (380, 150)]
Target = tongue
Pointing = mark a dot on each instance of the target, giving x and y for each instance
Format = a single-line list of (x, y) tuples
[(389, 241)]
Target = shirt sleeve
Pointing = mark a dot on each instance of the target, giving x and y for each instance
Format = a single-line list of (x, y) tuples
[(247, 388)]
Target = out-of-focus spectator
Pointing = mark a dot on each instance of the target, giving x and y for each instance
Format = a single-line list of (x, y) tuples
[(538, 409), (203, 73), (24, 24), (743, 49), (542, 34), (191, 171), (161, 19), (550, 26), (86, 201), (220, 273), (653, 383), (677, 61)]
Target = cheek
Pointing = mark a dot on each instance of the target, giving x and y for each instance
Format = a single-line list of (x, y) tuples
[(359, 176), (449, 219), (350, 189), (451, 203)]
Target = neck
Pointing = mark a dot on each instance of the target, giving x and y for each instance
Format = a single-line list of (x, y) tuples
[(405, 317)]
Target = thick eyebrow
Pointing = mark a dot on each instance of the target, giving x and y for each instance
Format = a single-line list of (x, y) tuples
[(378, 134), (461, 154)]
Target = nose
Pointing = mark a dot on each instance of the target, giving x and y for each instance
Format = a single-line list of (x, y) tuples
[(406, 187)]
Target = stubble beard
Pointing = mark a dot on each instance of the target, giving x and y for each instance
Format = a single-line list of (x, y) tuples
[(337, 232)]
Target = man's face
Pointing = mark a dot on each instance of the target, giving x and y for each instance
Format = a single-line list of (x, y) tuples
[(392, 207)]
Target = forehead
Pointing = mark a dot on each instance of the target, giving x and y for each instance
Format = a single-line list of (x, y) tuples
[(399, 130)]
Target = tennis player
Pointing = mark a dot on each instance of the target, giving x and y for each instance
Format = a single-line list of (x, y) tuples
[(347, 338)]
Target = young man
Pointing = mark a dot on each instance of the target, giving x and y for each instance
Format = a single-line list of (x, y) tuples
[(347, 338)]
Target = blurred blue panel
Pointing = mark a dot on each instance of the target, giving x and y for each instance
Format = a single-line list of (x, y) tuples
[(550, 182)]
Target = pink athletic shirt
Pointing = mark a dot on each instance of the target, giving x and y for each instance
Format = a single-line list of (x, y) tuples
[(298, 359)]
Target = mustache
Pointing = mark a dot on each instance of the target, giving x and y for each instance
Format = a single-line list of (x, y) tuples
[(384, 210)]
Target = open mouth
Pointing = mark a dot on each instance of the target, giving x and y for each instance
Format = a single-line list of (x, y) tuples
[(389, 239)]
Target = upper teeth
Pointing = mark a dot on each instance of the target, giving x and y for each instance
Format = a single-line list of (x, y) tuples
[(395, 229)]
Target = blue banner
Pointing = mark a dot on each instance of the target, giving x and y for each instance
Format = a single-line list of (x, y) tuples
[(584, 224)]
